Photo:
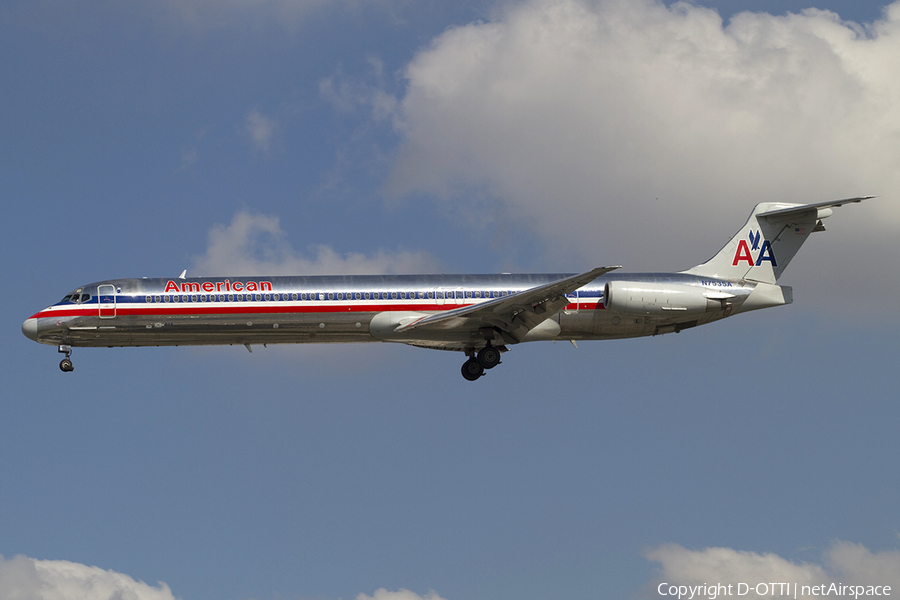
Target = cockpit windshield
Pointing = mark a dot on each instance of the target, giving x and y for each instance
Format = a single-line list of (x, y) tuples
[(76, 298)]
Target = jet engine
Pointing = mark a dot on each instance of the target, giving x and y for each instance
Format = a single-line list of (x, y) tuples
[(663, 299)]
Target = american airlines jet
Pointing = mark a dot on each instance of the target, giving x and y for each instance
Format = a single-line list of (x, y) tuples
[(478, 315)]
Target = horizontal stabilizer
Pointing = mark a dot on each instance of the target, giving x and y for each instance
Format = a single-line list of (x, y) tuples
[(797, 210)]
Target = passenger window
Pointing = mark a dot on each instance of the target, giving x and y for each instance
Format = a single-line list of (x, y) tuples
[(294, 296), (394, 295), (148, 299)]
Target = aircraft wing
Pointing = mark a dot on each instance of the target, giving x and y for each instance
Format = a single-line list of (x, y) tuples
[(515, 315)]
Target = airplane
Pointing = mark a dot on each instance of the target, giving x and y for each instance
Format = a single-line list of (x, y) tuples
[(479, 315)]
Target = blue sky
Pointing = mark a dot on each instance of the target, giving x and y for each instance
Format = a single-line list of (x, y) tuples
[(229, 137)]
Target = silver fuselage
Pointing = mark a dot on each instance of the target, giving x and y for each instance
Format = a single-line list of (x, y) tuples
[(319, 309)]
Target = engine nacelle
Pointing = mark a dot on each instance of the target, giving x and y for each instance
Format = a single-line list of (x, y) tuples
[(662, 299)]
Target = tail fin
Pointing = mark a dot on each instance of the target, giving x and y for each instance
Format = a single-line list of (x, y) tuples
[(765, 245)]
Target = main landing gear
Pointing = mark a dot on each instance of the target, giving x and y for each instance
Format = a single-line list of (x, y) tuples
[(486, 358), (65, 365)]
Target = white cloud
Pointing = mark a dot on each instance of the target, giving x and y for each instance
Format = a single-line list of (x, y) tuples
[(349, 94), (619, 128), (844, 562), (853, 563), (260, 129), (23, 578), (255, 244)]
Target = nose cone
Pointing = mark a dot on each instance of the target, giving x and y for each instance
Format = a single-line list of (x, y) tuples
[(30, 328)]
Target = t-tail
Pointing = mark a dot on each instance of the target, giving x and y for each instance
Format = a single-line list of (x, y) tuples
[(761, 250)]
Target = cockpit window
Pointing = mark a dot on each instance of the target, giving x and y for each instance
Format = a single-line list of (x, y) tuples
[(76, 298)]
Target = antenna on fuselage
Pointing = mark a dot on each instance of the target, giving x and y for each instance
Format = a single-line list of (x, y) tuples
[(183, 273)]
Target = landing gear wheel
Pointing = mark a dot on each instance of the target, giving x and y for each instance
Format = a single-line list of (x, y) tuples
[(489, 357), (472, 370), (65, 365)]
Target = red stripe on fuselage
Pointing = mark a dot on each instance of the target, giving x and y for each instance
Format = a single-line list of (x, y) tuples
[(234, 308)]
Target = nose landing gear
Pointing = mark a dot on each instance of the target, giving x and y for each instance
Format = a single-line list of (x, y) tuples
[(65, 365)]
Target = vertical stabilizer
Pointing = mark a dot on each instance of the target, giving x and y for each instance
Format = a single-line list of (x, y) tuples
[(768, 241)]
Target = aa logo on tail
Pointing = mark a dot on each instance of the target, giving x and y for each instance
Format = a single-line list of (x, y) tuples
[(745, 249)]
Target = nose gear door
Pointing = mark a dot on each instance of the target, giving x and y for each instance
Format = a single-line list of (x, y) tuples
[(106, 301)]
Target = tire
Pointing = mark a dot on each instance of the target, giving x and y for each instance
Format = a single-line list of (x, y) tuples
[(472, 370), (489, 357)]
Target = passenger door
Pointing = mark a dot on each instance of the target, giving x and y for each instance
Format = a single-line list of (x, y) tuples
[(106, 301)]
